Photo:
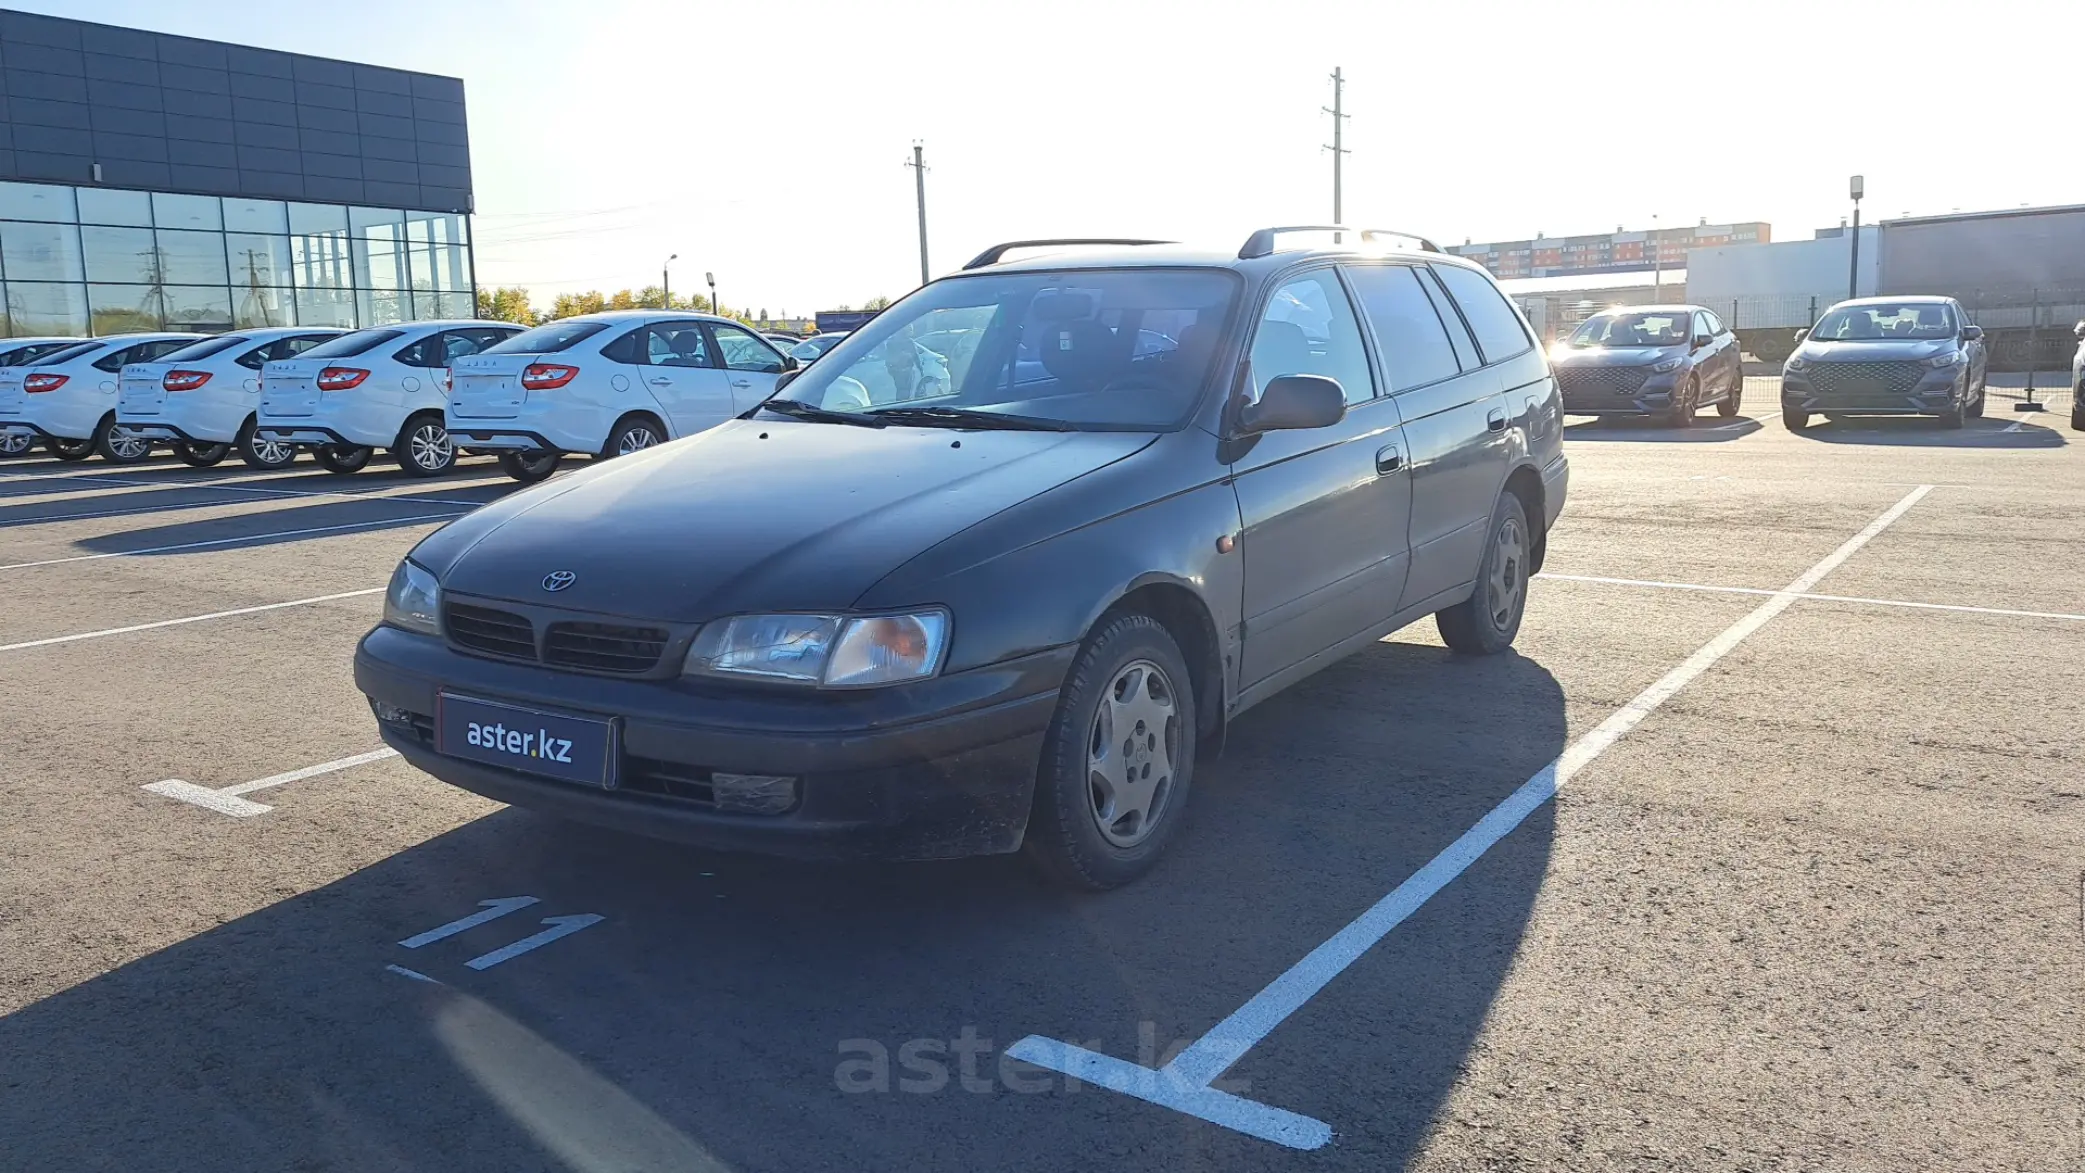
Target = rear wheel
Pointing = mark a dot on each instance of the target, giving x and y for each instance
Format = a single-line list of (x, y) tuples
[(1734, 400), (16, 444), (1685, 402), (200, 455), (343, 458), (1486, 622), (257, 452), (1118, 758), (1795, 419), (68, 449), (530, 466), (120, 445), (633, 435), (424, 448)]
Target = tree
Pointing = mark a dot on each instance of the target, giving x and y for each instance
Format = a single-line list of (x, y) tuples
[(571, 304), (506, 304), (876, 303)]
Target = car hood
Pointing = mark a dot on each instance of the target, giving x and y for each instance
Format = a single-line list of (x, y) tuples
[(1613, 356), (759, 515), (1907, 350)]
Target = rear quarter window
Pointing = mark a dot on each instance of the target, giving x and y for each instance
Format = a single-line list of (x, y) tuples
[(1492, 319), (546, 339), (350, 345)]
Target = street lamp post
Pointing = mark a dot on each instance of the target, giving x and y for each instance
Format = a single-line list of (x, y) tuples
[(1657, 263), (715, 306), (666, 281), (1856, 188)]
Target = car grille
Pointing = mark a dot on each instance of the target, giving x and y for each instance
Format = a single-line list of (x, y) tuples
[(1890, 378), (1619, 382), (495, 633), (604, 647)]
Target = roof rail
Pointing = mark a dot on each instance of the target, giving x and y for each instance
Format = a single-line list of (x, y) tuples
[(1261, 243), (991, 255)]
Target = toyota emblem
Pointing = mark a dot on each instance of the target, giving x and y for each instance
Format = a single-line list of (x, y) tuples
[(558, 580)]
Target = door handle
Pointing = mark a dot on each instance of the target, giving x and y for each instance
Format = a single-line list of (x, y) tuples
[(1496, 421), (1389, 460), (662, 382), (742, 382)]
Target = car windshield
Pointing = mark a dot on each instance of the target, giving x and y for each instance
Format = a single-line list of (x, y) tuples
[(548, 338), (1635, 328), (1886, 322), (204, 349), (350, 345), (1122, 349)]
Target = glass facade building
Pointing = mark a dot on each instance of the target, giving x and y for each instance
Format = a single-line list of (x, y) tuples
[(98, 260)]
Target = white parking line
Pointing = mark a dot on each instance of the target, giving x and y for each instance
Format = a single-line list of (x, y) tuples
[(280, 533), (186, 619), (1184, 1084), (227, 801), (1728, 590)]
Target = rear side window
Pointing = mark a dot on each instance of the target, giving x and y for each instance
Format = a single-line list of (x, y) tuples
[(1308, 328), (289, 347), (205, 348), (1497, 327), (142, 352), (350, 345), (1408, 331), (547, 339), (629, 348), (427, 352), (76, 350)]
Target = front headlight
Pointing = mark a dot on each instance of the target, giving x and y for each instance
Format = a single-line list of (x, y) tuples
[(413, 601), (1941, 362), (1796, 363), (1670, 364), (832, 650)]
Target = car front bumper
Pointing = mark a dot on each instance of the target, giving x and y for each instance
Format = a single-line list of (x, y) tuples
[(940, 769), (1935, 392), (1590, 397)]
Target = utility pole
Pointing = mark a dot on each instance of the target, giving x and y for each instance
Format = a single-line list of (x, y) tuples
[(919, 184), (1856, 187), (666, 282), (1657, 263), (1339, 117)]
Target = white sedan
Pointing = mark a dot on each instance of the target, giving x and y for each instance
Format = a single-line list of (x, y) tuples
[(202, 399), (608, 384), (15, 352), (68, 397), (385, 387)]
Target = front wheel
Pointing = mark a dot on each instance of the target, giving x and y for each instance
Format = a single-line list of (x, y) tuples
[(257, 452), (2078, 416), (1975, 410), (424, 448), (1486, 622), (1117, 760), (530, 466), (1685, 402), (120, 445), (1795, 419), (200, 455), (1953, 418), (343, 458), (16, 444)]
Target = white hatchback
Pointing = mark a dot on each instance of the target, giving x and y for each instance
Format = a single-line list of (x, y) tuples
[(68, 397), (15, 352), (608, 384), (203, 399), (385, 387)]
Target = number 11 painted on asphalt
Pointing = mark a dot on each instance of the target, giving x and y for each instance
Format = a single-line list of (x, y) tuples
[(559, 926)]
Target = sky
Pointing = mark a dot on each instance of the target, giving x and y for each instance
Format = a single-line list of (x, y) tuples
[(767, 143)]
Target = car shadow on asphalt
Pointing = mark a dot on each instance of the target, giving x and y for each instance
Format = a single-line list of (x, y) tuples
[(742, 1013), (274, 526), (1707, 429), (1924, 432)]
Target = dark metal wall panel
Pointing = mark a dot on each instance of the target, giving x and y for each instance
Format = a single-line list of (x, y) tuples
[(181, 114)]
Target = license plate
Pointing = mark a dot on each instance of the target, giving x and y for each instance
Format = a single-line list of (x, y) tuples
[(1864, 387), (533, 741)]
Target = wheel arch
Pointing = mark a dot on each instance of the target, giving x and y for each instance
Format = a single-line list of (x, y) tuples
[(1525, 482), (665, 429), (1181, 610)]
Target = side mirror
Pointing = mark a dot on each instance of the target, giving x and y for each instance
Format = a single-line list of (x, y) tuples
[(1294, 403), (1972, 333), (2079, 330), (789, 364), (1802, 334), (786, 377), (1701, 340)]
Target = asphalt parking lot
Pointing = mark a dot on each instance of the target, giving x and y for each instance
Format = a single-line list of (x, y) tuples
[(1810, 894)]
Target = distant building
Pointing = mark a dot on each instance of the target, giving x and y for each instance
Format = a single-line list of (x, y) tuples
[(1562, 256)]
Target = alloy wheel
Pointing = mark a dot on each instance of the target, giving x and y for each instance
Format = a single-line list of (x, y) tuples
[(430, 446), (1130, 753), (16, 443), (636, 439), (128, 445), (273, 451)]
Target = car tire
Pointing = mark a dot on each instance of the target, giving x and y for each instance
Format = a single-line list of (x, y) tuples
[(531, 466), (1485, 623), (343, 458), (1733, 401), (117, 446), (254, 452), (1795, 419), (1954, 417), (1975, 410), (1129, 673), (424, 448), (17, 444), (633, 435), (2078, 415), (68, 450), (200, 455), (1685, 402)]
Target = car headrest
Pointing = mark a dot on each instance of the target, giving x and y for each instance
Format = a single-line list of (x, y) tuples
[(1083, 349)]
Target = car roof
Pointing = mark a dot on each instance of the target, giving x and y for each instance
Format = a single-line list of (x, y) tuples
[(1178, 256), (641, 315), (1672, 307), (1900, 299)]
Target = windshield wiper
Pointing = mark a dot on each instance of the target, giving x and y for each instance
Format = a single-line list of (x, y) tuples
[(797, 409), (967, 417)]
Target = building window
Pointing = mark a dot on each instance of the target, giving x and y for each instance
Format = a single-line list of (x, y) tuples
[(107, 260)]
